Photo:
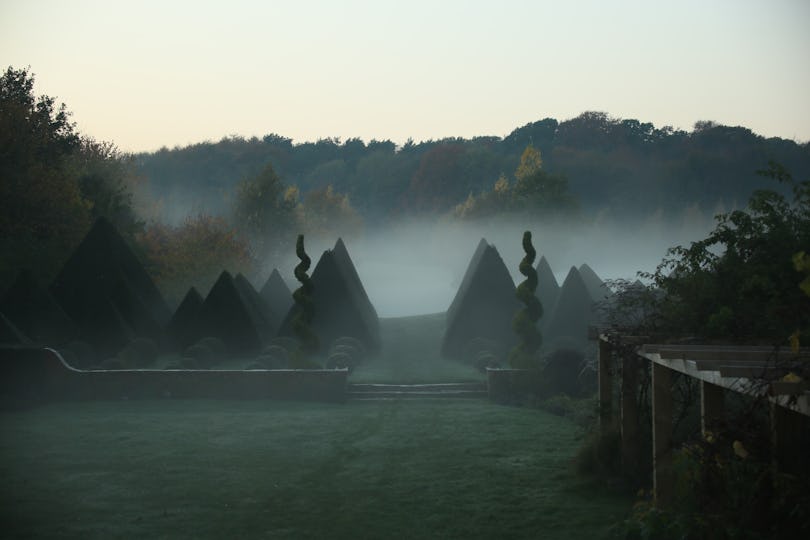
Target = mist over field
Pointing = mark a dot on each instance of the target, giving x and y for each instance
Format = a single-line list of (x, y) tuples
[(415, 267)]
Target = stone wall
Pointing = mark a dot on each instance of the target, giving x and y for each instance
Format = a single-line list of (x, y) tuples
[(32, 376)]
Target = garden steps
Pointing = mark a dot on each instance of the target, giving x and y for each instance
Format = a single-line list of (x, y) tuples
[(417, 391)]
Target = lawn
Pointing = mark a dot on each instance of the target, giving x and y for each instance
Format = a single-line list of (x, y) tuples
[(411, 354), (260, 469)]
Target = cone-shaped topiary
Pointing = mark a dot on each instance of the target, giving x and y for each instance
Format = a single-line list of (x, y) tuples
[(525, 321), (302, 324)]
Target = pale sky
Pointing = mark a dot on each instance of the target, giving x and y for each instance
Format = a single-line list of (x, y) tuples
[(146, 74)]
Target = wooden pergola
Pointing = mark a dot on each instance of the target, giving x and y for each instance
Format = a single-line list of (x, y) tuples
[(753, 371)]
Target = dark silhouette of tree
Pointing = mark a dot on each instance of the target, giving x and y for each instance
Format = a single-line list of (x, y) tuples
[(264, 211), (53, 181), (438, 183), (740, 282)]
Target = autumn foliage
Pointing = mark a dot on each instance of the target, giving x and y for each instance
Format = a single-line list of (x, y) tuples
[(193, 253)]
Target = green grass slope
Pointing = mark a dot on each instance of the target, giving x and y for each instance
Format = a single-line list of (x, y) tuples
[(255, 469), (411, 354)]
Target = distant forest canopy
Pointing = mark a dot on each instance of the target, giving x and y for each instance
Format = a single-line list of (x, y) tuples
[(619, 166)]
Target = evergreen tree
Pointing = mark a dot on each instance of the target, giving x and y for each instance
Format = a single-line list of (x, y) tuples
[(525, 321), (302, 324)]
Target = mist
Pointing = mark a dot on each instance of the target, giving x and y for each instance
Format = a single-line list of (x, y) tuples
[(414, 267)]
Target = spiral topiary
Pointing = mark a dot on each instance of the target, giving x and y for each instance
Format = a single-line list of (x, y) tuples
[(525, 321), (303, 299)]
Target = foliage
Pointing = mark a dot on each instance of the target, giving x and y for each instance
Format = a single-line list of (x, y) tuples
[(302, 324), (42, 212), (523, 356), (439, 181), (726, 489), (801, 262), (625, 167), (740, 282), (530, 163), (193, 253), (264, 211), (53, 182), (324, 212), (534, 191), (107, 178)]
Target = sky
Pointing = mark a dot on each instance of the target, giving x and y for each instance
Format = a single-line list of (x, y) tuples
[(147, 74)]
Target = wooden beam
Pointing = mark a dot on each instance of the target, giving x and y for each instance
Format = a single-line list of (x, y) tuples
[(662, 434), (729, 355), (752, 372)]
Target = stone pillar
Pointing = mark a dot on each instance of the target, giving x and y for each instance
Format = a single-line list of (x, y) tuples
[(711, 407), (662, 433), (630, 447), (605, 386)]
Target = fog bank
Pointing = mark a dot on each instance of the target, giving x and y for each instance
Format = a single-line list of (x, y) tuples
[(416, 267)]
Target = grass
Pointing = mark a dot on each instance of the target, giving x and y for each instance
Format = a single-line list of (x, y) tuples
[(256, 469), (410, 354)]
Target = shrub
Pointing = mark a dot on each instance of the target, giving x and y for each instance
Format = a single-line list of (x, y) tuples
[(140, 352), (600, 454), (341, 360), (188, 362), (274, 361), (216, 345), (352, 342), (562, 370), (276, 355), (202, 354), (79, 354), (256, 364), (113, 364)]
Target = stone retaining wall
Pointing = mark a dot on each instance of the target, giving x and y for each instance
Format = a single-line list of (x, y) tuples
[(37, 375)]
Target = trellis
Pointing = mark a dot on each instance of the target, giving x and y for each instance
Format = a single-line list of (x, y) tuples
[(749, 370)]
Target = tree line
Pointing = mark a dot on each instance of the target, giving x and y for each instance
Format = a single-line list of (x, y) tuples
[(621, 166)]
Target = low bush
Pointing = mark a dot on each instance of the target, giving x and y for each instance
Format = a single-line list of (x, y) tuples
[(79, 354), (146, 351), (256, 364), (114, 363), (189, 362), (202, 354), (341, 360), (271, 361)]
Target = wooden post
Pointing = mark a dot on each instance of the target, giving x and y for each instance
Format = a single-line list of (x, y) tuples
[(662, 433), (605, 385), (630, 446), (711, 407), (786, 425)]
